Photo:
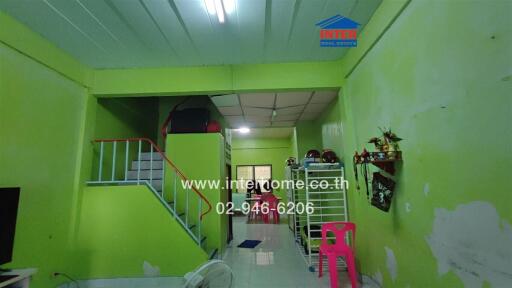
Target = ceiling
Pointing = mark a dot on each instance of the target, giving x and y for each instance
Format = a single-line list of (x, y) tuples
[(277, 132), (281, 109), (158, 33)]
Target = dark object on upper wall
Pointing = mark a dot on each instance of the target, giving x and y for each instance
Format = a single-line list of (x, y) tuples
[(213, 127), (382, 191), (291, 161), (328, 156), (192, 120), (312, 154), (9, 198)]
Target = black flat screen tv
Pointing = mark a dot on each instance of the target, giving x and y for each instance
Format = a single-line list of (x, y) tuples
[(9, 199)]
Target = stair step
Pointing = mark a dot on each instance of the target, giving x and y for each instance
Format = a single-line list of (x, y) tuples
[(144, 174), (203, 239), (146, 164), (192, 226), (147, 156), (181, 214)]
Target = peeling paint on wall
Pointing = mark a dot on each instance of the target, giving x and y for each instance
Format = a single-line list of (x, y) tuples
[(408, 207), (426, 189), (376, 278), (150, 270), (370, 282), (474, 243), (391, 263)]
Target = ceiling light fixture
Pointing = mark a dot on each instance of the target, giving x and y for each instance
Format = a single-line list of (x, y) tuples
[(218, 7), (243, 130), (210, 6), (220, 10), (229, 6)]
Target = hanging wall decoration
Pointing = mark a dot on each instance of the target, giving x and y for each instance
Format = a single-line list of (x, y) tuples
[(382, 191), (387, 153)]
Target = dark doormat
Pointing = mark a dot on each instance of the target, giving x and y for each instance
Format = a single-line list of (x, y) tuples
[(249, 244)]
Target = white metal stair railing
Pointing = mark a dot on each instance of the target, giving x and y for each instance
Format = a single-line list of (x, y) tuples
[(137, 161)]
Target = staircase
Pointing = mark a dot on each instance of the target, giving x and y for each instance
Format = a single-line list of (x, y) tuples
[(137, 161), (150, 170)]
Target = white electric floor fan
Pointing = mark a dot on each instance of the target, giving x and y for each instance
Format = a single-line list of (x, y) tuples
[(212, 274)]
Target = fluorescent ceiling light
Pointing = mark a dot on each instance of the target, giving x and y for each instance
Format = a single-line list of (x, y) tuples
[(243, 130), (210, 6), (229, 6), (219, 7), (220, 10)]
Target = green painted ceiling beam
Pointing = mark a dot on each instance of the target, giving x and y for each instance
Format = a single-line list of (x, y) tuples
[(216, 79), (202, 79)]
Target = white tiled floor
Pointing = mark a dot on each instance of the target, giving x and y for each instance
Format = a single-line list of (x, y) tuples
[(276, 262)]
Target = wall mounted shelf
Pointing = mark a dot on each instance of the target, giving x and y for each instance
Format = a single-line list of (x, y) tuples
[(381, 159)]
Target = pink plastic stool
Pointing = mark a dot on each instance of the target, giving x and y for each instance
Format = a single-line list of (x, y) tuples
[(272, 202), (256, 208), (339, 248)]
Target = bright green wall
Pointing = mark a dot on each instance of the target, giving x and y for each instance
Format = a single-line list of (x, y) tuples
[(309, 136), (41, 139), (440, 78), (121, 118), (201, 157), (262, 151), (215, 79), (331, 129), (127, 117), (121, 227)]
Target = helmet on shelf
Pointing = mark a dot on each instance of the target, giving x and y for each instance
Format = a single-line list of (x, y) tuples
[(312, 154), (328, 156), (290, 161)]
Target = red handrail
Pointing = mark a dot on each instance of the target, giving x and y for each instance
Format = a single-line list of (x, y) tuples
[(182, 176)]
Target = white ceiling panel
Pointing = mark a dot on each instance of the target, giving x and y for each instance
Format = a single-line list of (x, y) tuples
[(323, 96), (271, 132), (258, 118), (141, 23), (161, 33), (260, 124), (225, 100), (234, 119), (289, 117), (243, 113), (315, 108), (168, 23), (288, 99), (248, 111), (304, 29), (199, 24), (278, 26), (250, 15), (309, 116), (290, 110), (230, 110), (283, 124), (258, 100)]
